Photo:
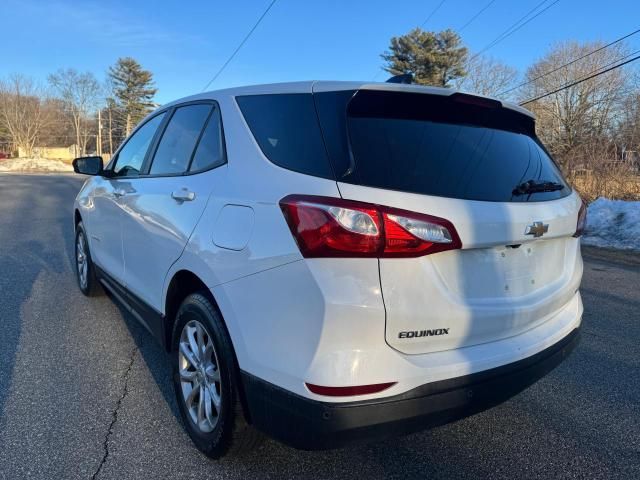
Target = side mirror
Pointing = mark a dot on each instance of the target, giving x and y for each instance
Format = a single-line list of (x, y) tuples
[(88, 165)]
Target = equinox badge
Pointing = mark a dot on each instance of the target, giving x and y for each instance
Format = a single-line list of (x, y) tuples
[(537, 229), (424, 333)]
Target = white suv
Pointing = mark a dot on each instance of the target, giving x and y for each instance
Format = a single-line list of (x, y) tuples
[(329, 262)]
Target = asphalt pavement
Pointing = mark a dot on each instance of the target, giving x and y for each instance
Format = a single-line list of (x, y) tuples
[(85, 392)]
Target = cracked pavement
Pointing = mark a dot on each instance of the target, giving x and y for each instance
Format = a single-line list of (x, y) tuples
[(114, 419), (86, 393)]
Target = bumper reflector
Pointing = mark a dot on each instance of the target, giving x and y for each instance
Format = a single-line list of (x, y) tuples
[(348, 391)]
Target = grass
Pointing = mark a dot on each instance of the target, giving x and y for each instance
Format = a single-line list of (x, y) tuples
[(609, 185)]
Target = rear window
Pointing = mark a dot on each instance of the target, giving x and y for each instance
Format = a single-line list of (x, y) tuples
[(287, 131), (435, 145)]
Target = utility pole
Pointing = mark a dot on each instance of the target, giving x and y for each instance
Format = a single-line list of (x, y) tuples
[(99, 138), (110, 134)]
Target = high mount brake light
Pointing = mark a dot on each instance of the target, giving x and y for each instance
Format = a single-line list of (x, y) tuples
[(334, 227), (582, 220), (474, 100)]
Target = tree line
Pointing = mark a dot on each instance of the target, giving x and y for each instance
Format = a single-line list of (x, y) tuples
[(74, 108), (592, 128)]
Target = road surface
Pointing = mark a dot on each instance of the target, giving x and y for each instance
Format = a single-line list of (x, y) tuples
[(85, 392)]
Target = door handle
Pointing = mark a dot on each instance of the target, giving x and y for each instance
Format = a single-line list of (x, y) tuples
[(183, 195), (119, 192)]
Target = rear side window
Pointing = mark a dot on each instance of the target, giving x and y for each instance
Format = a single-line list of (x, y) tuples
[(436, 145), (179, 140), (210, 150), (286, 128)]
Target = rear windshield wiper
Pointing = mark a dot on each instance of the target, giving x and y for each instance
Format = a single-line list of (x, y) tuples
[(531, 186)]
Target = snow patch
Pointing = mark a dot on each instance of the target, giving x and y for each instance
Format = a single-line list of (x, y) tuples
[(613, 224), (34, 165)]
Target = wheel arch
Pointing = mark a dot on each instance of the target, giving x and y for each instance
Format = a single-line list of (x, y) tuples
[(182, 284), (77, 218)]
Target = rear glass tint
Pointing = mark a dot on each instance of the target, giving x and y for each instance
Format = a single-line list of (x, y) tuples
[(287, 131), (435, 145)]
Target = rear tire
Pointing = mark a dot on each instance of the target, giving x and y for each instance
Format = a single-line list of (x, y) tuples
[(85, 271), (206, 381)]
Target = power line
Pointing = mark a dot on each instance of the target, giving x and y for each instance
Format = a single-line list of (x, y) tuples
[(239, 46), (570, 63), (606, 65), (564, 87), (515, 27), (476, 16), (433, 12)]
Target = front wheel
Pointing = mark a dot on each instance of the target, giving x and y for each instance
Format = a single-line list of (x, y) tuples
[(85, 271), (206, 381)]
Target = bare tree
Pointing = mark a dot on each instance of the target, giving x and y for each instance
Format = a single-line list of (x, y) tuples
[(591, 123), (487, 76), (58, 133), (628, 135), (23, 112), (584, 113), (82, 94)]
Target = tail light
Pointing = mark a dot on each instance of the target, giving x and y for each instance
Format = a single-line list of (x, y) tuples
[(333, 227), (582, 220)]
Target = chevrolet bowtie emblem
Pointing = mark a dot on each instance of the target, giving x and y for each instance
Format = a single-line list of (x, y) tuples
[(537, 229)]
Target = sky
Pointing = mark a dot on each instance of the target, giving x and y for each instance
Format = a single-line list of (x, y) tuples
[(185, 42)]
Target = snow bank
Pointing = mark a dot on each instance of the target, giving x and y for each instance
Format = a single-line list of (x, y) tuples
[(613, 223), (34, 165)]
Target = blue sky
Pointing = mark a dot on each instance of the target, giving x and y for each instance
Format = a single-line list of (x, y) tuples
[(184, 42)]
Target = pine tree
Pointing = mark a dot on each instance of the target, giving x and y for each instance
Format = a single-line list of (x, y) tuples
[(133, 89), (432, 58)]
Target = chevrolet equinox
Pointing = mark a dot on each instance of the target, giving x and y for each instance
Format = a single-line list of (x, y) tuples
[(330, 262)]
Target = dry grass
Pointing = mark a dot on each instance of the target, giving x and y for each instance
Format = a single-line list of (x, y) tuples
[(619, 185)]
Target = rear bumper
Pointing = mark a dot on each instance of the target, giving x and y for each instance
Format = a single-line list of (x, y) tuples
[(312, 425)]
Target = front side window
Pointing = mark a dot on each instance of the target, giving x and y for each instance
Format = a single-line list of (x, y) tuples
[(179, 140), (131, 156)]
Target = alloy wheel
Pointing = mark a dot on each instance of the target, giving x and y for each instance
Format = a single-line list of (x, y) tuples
[(199, 376), (82, 262)]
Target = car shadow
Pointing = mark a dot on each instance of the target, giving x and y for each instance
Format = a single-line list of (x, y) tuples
[(22, 260), (27, 259)]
